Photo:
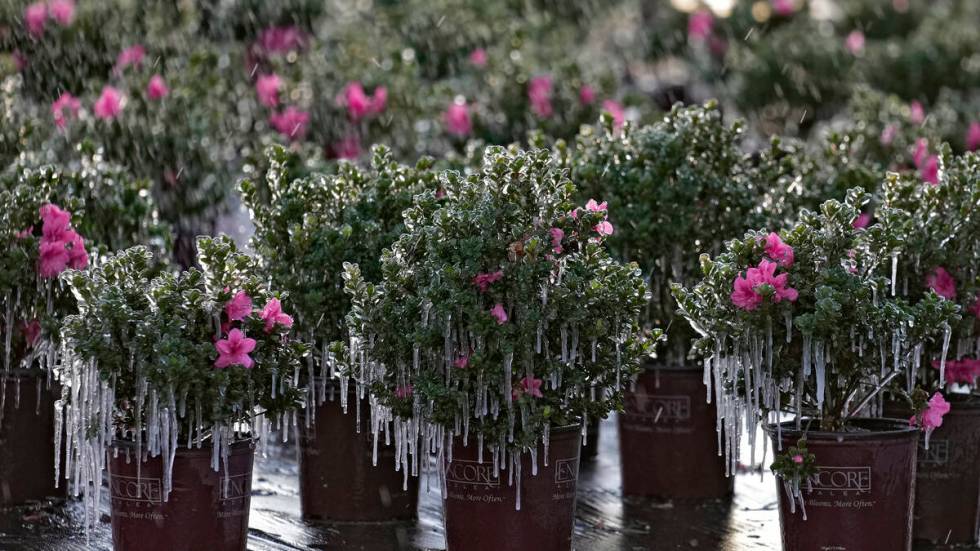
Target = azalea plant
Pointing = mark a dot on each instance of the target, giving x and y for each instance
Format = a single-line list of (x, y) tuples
[(802, 322), (674, 189), (308, 224), (499, 314), (196, 358)]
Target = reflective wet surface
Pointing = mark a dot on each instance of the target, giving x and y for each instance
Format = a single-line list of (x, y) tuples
[(605, 520)]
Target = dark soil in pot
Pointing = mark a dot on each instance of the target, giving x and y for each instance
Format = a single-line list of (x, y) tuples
[(338, 480), (861, 497), (206, 510), (668, 438), (480, 509), (27, 470)]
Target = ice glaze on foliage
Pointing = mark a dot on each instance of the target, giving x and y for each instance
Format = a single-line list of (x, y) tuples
[(568, 319)]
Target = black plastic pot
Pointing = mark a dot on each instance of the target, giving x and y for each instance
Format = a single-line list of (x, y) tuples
[(668, 441), (206, 510), (27, 439), (338, 481), (480, 509), (861, 498)]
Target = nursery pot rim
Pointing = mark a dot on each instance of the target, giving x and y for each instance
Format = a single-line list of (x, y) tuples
[(891, 429), (205, 449)]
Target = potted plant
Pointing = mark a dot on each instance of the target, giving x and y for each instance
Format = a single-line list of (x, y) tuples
[(804, 324), (673, 189), (52, 219), (499, 327), (169, 383), (307, 225), (939, 253)]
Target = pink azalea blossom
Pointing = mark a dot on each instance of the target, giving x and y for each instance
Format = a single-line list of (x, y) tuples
[(52, 258), (31, 331), (132, 55), (273, 315), (592, 206), (586, 94), (529, 386), (798, 459), (239, 307), (348, 147), (964, 371), (462, 362), (267, 88), (855, 42), (404, 391), (35, 16), (973, 136), (457, 119), (62, 11), (745, 290), (779, 252), (539, 91), (379, 101), (65, 107), (157, 88), (499, 313), (483, 281), (929, 171), (478, 58), (921, 151), (942, 283), (743, 293), (109, 104), (604, 228), (276, 40), (617, 112), (783, 8), (888, 134), (700, 25), (234, 350), (291, 123), (359, 104), (932, 416), (56, 222), (861, 221), (77, 255), (557, 234), (917, 114)]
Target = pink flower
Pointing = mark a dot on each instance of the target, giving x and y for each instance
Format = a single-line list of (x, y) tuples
[(348, 147), (157, 88), (457, 119), (779, 252), (52, 258), (77, 255), (379, 101), (603, 228), (557, 234), (942, 283), (234, 350), (700, 25), (921, 151), (462, 362), (929, 171), (745, 290), (62, 11), (539, 93), (483, 281), (64, 107), (888, 134), (917, 114), (963, 371), (529, 386), (109, 104), (855, 42), (783, 8), (586, 94), (359, 104), (973, 136), (290, 123), (798, 459), (272, 314), (478, 58), (617, 112), (24, 233), (932, 416), (592, 206), (499, 314), (743, 293), (239, 307), (31, 331), (132, 55), (56, 223), (861, 221), (404, 391), (280, 39), (34, 17), (267, 88)]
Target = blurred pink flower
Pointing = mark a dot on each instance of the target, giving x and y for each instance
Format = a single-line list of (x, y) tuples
[(942, 282), (499, 313), (404, 391), (616, 110), (234, 350), (539, 91), (277, 40), (359, 104), (35, 16), (779, 252), (917, 114), (24, 233), (973, 136), (267, 88), (861, 221), (478, 58), (290, 123), (604, 228), (52, 258), (348, 147), (457, 119), (157, 88), (529, 386), (964, 371), (273, 315), (132, 55), (31, 331), (888, 134), (586, 94), (77, 255), (557, 234), (700, 25), (56, 222), (239, 307), (462, 362), (65, 107), (592, 206), (483, 281), (109, 104), (930, 170), (855, 42), (921, 151), (62, 11), (783, 8), (798, 459)]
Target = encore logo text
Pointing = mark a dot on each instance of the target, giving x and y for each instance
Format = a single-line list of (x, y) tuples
[(473, 473), (841, 479)]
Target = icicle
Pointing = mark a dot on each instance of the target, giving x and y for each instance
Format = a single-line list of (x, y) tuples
[(947, 333), (894, 270), (820, 372)]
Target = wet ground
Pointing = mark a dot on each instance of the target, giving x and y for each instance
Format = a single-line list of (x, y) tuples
[(605, 520)]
